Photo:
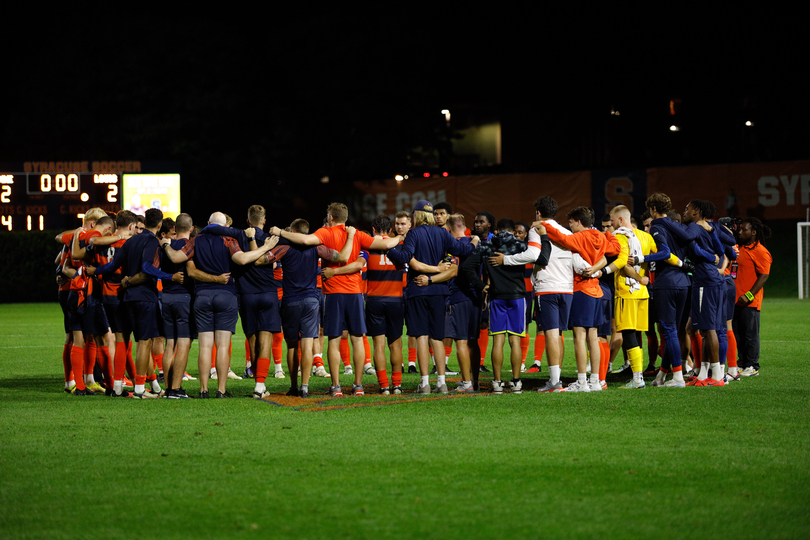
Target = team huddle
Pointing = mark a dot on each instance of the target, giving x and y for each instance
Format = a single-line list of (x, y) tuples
[(162, 283)]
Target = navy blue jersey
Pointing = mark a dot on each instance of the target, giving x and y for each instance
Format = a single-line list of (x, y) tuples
[(301, 269), (166, 265), (250, 279), (428, 245), (460, 287), (212, 254), (666, 275), (139, 253)]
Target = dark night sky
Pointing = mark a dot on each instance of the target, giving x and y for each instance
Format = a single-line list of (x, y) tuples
[(269, 104)]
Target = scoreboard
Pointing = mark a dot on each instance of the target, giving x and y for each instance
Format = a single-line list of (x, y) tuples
[(54, 195)]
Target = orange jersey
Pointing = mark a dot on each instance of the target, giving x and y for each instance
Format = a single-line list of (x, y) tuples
[(752, 261), (591, 245), (384, 278), (335, 237), (110, 283)]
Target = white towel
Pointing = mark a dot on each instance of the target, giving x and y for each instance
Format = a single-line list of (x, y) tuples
[(634, 249)]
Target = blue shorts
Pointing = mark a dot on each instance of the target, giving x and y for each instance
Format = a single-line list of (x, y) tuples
[(117, 317), (670, 305), (529, 307), (176, 311), (385, 315), (507, 317), (425, 316), (260, 312), (216, 310), (144, 319), (553, 310), (300, 319), (462, 320), (708, 308), (586, 311), (343, 311), (605, 329), (63, 303), (652, 316), (731, 297)]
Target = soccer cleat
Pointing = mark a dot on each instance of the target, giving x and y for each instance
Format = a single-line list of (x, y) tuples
[(483, 369), (657, 383), (278, 374), (96, 388), (176, 393), (292, 392), (232, 375), (516, 387), (523, 368), (186, 377), (303, 393), (441, 389), (749, 372), (412, 368), (397, 390), (225, 394), (204, 394), (595, 386), (123, 393), (368, 369), (728, 377), (423, 389), (248, 373), (261, 395), (465, 388), (213, 374), (348, 370), (128, 383), (603, 384), (449, 373), (357, 390), (624, 370), (85, 392), (434, 371), (385, 391), (576, 386), (144, 395), (634, 385), (713, 382), (335, 391), (155, 394), (550, 388), (497, 387), (536, 368), (674, 384), (70, 389), (320, 371)]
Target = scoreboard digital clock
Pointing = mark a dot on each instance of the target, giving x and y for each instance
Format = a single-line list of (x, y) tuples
[(48, 195)]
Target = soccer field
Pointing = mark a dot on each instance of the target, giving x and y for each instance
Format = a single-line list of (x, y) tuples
[(730, 462)]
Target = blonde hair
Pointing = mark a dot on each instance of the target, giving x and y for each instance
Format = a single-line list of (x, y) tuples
[(94, 214), (420, 217), (456, 220)]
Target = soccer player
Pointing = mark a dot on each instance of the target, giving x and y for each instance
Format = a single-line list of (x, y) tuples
[(507, 299), (522, 233), (402, 224), (426, 305), (753, 267), (586, 307), (343, 298), (482, 227), (553, 286), (300, 305), (442, 211)]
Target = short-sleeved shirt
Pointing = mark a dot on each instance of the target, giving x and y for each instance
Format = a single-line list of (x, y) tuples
[(300, 280), (753, 260), (383, 276), (335, 237), (212, 254)]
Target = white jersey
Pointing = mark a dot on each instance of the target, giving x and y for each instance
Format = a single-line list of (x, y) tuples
[(558, 276)]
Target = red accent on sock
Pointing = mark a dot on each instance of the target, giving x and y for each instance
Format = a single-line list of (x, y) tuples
[(120, 361), (90, 351), (396, 378), (262, 368), (411, 356), (382, 378), (448, 351), (66, 360), (697, 349), (106, 365), (247, 353), (539, 348), (483, 342), (731, 355), (214, 356), (367, 350), (77, 363), (317, 361), (140, 380), (278, 340), (151, 377), (158, 360), (344, 352), (679, 368), (525, 341), (604, 359)]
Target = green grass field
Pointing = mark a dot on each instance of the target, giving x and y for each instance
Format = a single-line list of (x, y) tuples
[(729, 462)]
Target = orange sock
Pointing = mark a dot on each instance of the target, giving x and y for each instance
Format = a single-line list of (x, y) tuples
[(524, 346), (262, 367), (604, 359), (697, 349), (130, 362), (120, 361), (317, 361), (106, 366), (158, 360), (214, 356), (66, 360), (140, 380), (731, 355), (539, 347), (396, 378), (411, 356), (367, 349), (278, 339), (90, 351), (248, 360), (448, 351), (344, 352), (77, 363), (382, 378), (483, 342)]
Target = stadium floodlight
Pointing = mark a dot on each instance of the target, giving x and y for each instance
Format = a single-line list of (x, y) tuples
[(803, 245)]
